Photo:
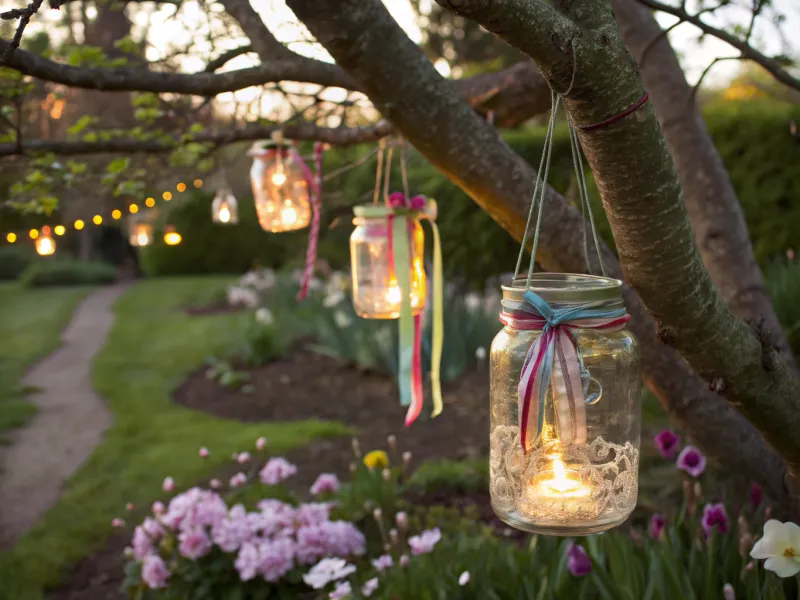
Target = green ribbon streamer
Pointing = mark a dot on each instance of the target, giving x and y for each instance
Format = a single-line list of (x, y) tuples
[(400, 254)]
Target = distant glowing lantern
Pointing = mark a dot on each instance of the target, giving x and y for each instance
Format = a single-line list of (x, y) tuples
[(376, 290), (97, 220), (78, 224), (171, 237), (224, 208), (116, 214), (280, 188), (45, 246), (11, 238), (140, 234), (59, 230)]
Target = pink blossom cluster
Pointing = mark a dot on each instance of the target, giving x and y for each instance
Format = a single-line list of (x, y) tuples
[(267, 542)]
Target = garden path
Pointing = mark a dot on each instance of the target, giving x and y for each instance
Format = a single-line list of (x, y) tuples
[(68, 425)]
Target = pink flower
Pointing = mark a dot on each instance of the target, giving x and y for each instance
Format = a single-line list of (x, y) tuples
[(728, 593), (129, 506), (194, 543), (417, 203), (277, 470), (215, 484), (401, 519), (692, 461), (247, 561), (667, 443), (144, 536), (369, 587), (326, 483), (203, 452), (326, 571), (383, 562), (154, 572), (158, 508), (657, 523), (331, 538), (312, 513), (342, 590), (403, 562), (754, 495), (463, 579), (261, 443), (238, 480), (424, 543), (396, 200), (168, 485), (714, 515), (233, 531), (117, 522), (578, 562), (243, 458), (276, 559)]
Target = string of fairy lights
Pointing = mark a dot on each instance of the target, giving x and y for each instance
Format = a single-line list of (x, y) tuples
[(140, 236)]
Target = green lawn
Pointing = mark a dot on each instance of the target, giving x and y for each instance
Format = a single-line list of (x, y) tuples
[(151, 346), (30, 323)]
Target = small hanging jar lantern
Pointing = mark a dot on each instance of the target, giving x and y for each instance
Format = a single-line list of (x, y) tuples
[(171, 237), (45, 244), (224, 208), (565, 388), (140, 234), (376, 290), (281, 187)]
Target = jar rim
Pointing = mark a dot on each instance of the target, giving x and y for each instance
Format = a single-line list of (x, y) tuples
[(371, 211), (566, 288)]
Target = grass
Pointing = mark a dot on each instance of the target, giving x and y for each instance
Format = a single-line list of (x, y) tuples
[(151, 347), (30, 323)]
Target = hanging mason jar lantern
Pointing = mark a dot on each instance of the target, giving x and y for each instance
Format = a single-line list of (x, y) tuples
[(564, 392), (45, 244), (140, 234), (376, 290), (171, 237), (281, 187), (224, 208)]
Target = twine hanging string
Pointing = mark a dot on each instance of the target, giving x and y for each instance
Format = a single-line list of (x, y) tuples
[(314, 192), (377, 191)]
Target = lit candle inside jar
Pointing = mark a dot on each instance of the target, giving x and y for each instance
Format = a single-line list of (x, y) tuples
[(224, 213), (560, 482), (288, 216)]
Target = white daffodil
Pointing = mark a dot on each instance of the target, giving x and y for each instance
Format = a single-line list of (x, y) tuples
[(264, 316), (342, 319), (780, 545)]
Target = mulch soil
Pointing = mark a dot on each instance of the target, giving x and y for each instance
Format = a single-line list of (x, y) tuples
[(305, 385)]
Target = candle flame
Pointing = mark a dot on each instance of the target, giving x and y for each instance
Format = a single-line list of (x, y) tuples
[(224, 213), (288, 216), (560, 482), (393, 294)]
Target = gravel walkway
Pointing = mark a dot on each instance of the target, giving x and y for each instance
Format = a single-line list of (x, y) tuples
[(69, 424)]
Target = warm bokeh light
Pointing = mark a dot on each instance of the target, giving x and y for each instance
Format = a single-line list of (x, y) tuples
[(97, 219), (150, 202), (45, 246), (171, 237), (11, 238), (198, 183), (167, 196), (60, 229), (181, 187), (224, 214), (33, 233), (116, 214), (133, 208), (278, 178), (78, 224)]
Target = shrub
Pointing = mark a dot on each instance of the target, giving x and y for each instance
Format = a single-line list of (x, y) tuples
[(263, 341), (14, 260), (53, 272), (782, 278)]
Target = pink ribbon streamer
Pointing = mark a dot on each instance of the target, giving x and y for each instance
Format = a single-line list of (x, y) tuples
[(315, 186)]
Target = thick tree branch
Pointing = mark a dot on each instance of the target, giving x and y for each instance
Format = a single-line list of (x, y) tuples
[(264, 43), (24, 15), (337, 136), (748, 52), (361, 36), (714, 210), (642, 197)]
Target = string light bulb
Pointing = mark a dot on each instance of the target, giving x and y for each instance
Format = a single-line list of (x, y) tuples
[(59, 229), (181, 187), (167, 196), (11, 238), (150, 202), (33, 233), (97, 220), (133, 209), (116, 214), (78, 224), (198, 183)]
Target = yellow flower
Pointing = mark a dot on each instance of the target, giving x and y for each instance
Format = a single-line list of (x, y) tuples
[(377, 459)]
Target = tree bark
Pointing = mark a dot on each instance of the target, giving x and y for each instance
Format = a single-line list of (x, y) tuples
[(714, 211), (363, 38)]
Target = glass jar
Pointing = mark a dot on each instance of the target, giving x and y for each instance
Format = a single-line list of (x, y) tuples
[(224, 209), (280, 190), (140, 234), (567, 484), (376, 293)]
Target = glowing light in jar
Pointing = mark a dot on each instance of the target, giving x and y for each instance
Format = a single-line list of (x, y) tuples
[(278, 178), (393, 294), (563, 483), (45, 246), (288, 216), (224, 213)]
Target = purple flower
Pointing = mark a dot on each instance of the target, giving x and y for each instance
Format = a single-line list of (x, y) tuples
[(692, 461), (383, 562), (247, 561), (142, 544), (578, 562), (276, 559), (369, 587), (312, 513), (154, 572), (667, 443), (277, 470), (194, 543), (233, 531), (657, 523), (755, 495), (342, 590), (714, 515), (424, 543), (326, 483)]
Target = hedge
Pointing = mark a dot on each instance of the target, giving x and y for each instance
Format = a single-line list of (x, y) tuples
[(753, 139), (14, 259), (54, 271)]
